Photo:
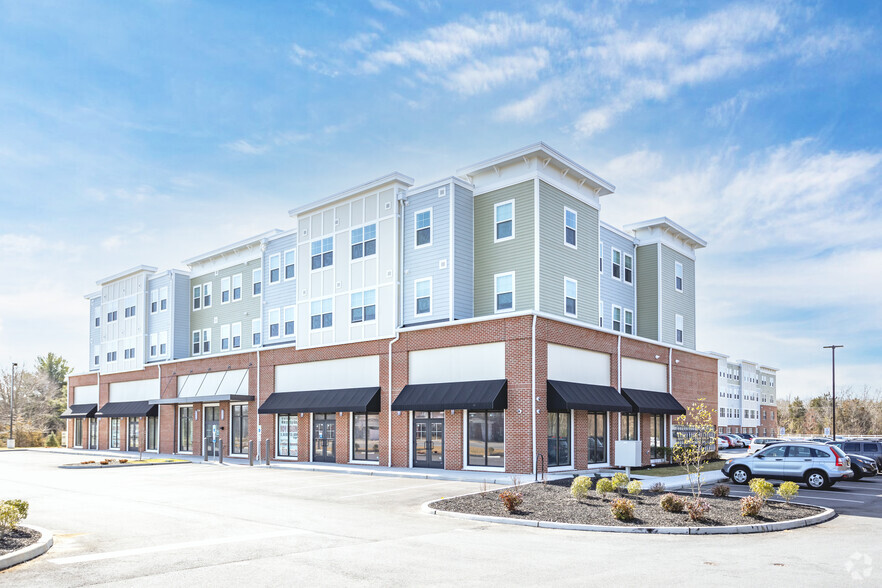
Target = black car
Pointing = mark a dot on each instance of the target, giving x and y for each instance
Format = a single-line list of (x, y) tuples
[(863, 466), (868, 448)]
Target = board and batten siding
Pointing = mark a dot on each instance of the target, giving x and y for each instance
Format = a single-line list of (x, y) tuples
[(674, 302), (279, 295), (463, 253), (95, 332), (617, 292), (513, 255), (557, 260), (647, 291), (235, 311), (426, 261)]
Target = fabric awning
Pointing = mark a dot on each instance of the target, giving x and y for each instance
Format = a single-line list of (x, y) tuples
[(480, 395), (204, 399), (575, 396), (341, 400), (135, 408), (653, 402), (80, 411)]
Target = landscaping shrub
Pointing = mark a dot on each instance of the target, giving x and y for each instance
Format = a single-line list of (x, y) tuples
[(104, 462), (635, 487), (788, 491), (761, 488), (657, 488), (698, 508), (672, 503), (720, 491), (124, 460), (52, 440), (20, 505), (603, 486), (511, 499), (751, 505), (619, 480), (580, 488), (622, 509), (12, 512)]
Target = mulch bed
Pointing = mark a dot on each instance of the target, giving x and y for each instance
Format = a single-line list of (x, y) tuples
[(553, 502), (18, 539)]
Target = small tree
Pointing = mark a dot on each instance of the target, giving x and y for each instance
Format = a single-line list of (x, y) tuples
[(693, 450)]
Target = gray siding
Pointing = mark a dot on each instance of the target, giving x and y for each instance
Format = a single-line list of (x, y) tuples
[(180, 309), (617, 292), (514, 255), (94, 332), (558, 260), (674, 302), (464, 254), (161, 320), (425, 262), (647, 291), (279, 295), (218, 314)]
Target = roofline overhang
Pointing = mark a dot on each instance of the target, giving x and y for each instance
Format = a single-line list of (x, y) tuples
[(371, 185), (244, 243), (691, 239), (132, 270)]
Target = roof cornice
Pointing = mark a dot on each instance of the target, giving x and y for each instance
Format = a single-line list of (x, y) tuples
[(372, 185)]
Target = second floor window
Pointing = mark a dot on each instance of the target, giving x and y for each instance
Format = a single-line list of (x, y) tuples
[(364, 241), (504, 220), (237, 335), (130, 311), (504, 292), (600, 312), (206, 295), (364, 306), (321, 314), (629, 269), (616, 264), (617, 319), (423, 220), (197, 345), (629, 322), (275, 271), (225, 337), (570, 228), (289, 320), (237, 287), (111, 316), (255, 332), (256, 278), (274, 320), (322, 253), (423, 293), (570, 294), (679, 326), (601, 258), (225, 290), (206, 341)]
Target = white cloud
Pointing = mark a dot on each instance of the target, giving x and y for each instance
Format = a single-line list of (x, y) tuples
[(308, 59), (527, 108), (387, 6), (479, 76)]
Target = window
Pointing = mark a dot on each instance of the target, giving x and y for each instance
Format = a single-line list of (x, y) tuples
[(197, 297), (275, 265), (197, 345), (286, 440), (678, 276), (423, 225), (323, 253), (163, 343), (364, 241), (114, 433), (237, 287), (289, 320), (274, 320), (504, 217), (237, 335), (596, 437), (571, 289), (97, 352), (163, 298), (206, 295), (134, 441), (111, 356), (130, 311), (97, 321), (504, 284), (629, 322), (558, 439), (423, 295), (679, 321), (152, 430), (629, 426), (366, 436), (321, 314), (601, 257), (486, 439), (185, 428), (239, 428), (225, 337), (616, 264), (129, 353), (289, 265), (225, 290), (656, 436), (111, 316), (154, 301), (255, 332), (616, 318), (154, 344), (78, 432), (629, 269), (256, 278), (363, 306), (600, 312), (570, 227), (206, 340)]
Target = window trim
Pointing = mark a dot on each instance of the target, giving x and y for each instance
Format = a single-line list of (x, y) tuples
[(625, 416), (321, 314), (197, 298), (496, 293), (163, 298), (575, 228), (575, 298), (228, 290), (600, 311), (352, 457), (178, 428), (679, 331), (496, 221), (612, 271), (321, 254), (225, 329), (289, 416), (154, 301), (206, 338), (284, 322), (600, 258), (196, 343), (206, 293), (258, 331), (625, 323), (243, 436), (467, 440), (362, 242), (613, 319), (233, 297), (278, 258), (284, 272), (678, 269), (363, 306), (431, 226), (416, 298), (625, 259), (569, 438), (278, 322), (256, 280)]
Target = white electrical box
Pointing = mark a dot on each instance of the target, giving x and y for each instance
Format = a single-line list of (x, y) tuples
[(628, 453)]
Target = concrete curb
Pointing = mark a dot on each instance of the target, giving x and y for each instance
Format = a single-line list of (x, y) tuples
[(31, 551), (825, 515), (71, 466)]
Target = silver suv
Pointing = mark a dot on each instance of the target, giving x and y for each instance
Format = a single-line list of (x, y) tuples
[(819, 466)]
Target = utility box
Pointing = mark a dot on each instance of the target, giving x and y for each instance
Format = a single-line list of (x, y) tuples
[(628, 454)]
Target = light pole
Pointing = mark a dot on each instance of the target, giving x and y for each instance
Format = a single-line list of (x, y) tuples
[(10, 443), (833, 348)]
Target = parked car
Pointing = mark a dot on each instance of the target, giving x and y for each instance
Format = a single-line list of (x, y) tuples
[(758, 443), (747, 436), (818, 466), (723, 443), (863, 466), (734, 440), (868, 448)]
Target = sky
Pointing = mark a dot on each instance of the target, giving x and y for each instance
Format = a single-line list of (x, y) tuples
[(149, 132)]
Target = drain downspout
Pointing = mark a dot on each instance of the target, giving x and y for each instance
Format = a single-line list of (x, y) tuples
[(533, 395)]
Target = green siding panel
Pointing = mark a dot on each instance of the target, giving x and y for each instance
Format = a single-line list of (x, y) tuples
[(243, 310), (674, 302), (647, 291)]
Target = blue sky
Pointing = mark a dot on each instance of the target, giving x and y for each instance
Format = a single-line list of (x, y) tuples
[(150, 132)]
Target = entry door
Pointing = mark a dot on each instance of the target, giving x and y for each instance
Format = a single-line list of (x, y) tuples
[(324, 437), (428, 439), (134, 441), (93, 434), (211, 422)]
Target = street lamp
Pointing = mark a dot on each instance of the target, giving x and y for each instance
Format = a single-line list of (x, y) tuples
[(833, 348), (10, 443)]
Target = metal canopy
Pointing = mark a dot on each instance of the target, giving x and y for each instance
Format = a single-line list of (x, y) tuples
[(575, 396), (135, 408), (653, 402), (339, 400), (479, 395), (79, 411)]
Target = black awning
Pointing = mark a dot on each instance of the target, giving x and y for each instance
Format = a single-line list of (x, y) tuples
[(574, 396), (480, 395), (135, 408), (343, 400), (79, 411), (653, 402)]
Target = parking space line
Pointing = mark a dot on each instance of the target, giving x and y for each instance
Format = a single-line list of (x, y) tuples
[(395, 489)]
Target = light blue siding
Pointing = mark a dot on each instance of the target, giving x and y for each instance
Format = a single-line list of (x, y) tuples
[(280, 295), (463, 253), (617, 292), (180, 309), (426, 261), (161, 320)]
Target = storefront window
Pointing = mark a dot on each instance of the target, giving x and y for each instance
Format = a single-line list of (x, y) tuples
[(133, 434), (629, 426), (185, 428), (114, 433), (286, 444), (487, 439), (366, 436), (596, 437), (151, 433), (657, 436), (93, 434), (78, 432), (558, 439), (240, 428)]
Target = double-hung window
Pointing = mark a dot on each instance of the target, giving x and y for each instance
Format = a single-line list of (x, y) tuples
[(616, 264), (225, 290), (321, 314), (114, 433), (364, 241), (629, 269), (679, 325), (163, 298), (629, 322), (206, 295), (503, 214), (154, 344), (275, 264), (225, 337), (571, 289), (322, 253), (678, 276), (504, 292), (289, 264), (423, 225), (616, 318), (197, 297), (423, 296), (237, 287), (206, 340), (97, 321), (255, 332), (274, 321), (154, 301), (197, 343), (600, 312), (363, 306), (163, 343), (130, 311), (600, 264), (570, 227), (289, 320), (256, 282), (111, 316)]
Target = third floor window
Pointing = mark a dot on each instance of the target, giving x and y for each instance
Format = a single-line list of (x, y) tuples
[(504, 220), (323, 253), (423, 225), (364, 241), (570, 227)]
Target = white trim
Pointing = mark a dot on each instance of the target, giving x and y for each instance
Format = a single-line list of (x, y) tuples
[(260, 281), (207, 291), (625, 257), (228, 289), (496, 221), (243, 244), (496, 293), (414, 190), (431, 228), (321, 314), (600, 312), (575, 228), (588, 200), (612, 321), (278, 258), (612, 269), (450, 273), (575, 298), (363, 320), (366, 187), (415, 297), (269, 324), (679, 266), (679, 328), (537, 257), (625, 322), (363, 241), (284, 321), (284, 269)]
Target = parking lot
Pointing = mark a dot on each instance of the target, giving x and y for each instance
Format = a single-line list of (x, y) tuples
[(202, 524)]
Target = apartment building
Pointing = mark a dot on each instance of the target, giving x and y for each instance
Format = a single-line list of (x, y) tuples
[(485, 320), (747, 398)]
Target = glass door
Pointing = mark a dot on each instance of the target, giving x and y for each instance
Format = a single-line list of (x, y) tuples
[(324, 437), (428, 439), (211, 423), (93, 433), (133, 434)]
